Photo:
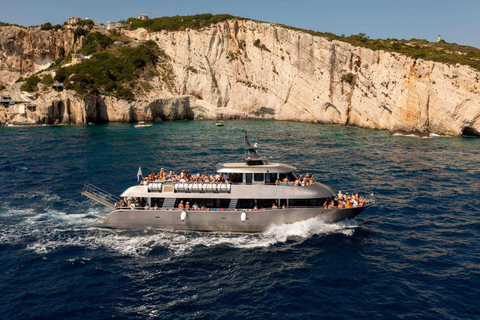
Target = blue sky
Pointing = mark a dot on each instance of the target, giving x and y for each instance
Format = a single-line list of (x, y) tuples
[(456, 21)]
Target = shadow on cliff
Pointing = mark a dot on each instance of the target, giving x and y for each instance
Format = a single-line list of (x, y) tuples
[(96, 110)]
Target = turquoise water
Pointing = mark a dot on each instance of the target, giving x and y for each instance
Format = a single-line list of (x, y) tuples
[(415, 254)]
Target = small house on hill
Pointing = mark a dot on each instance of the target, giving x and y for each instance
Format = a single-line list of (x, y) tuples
[(143, 16)]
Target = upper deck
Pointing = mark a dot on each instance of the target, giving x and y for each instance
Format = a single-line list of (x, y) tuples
[(242, 167)]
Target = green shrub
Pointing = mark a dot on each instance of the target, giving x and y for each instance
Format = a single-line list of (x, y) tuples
[(79, 31), (349, 78), (47, 80), (87, 22), (48, 26), (30, 84), (96, 42), (257, 44)]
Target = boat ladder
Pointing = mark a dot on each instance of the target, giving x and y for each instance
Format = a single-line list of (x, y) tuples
[(99, 195)]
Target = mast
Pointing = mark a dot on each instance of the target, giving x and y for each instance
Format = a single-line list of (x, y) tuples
[(251, 154)]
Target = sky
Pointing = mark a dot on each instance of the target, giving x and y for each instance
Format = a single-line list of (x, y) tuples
[(456, 21)]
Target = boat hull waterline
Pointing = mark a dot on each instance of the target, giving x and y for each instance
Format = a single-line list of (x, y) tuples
[(220, 221)]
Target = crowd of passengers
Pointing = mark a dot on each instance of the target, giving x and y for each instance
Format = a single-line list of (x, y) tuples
[(185, 177), (346, 200), (339, 201)]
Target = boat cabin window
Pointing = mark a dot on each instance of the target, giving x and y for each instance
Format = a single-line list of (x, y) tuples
[(248, 178), (290, 175), (235, 177), (270, 178), (209, 203), (258, 177), (157, 201), (306, 202), (261, 203)]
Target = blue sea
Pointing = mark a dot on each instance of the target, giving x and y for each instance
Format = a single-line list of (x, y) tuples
[(415, 254)]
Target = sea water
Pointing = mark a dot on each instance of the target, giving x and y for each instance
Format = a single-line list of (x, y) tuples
[(415, 254)]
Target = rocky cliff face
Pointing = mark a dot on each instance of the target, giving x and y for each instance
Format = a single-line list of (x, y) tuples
[(247, 69), (26, 51)]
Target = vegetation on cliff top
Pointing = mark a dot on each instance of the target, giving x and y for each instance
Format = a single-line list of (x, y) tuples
[(178, 23), (450, 53)]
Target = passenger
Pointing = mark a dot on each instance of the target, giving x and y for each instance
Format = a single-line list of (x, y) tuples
[(255, 208), (195, 207), (354, 202), (348, 205), (146, 207), (187, 206), (340, 204), (285, 181), (278, 182), (340, 195), (203, 208), (283, 206), (180, 205), (132, 206), (155, 208), (274, 206), (325, 204), (116, 205), (331, 205)]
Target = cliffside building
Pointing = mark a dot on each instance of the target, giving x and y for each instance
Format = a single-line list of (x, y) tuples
[(143, 16), (78, 58), (74, 20)]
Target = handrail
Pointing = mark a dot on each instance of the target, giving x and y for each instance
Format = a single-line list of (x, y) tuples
[(90, 188)]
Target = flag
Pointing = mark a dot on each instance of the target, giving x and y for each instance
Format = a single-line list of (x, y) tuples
[(139, 174)]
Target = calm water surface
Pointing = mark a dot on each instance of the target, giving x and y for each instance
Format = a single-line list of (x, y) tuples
[(414, 255)]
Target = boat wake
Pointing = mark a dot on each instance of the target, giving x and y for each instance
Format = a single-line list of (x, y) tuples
[(49, 231)]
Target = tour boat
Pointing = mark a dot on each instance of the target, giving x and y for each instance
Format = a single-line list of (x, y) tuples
[(220, 124), (249, 199)]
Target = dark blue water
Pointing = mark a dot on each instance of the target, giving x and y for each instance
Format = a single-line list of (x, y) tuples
[(414, 255)]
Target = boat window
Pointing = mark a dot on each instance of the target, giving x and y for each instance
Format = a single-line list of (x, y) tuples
[(158, 202), (290, 175), (249, 178), (209, 203), (245, 203), (258, 177), (235, 177), (306, 202), (270, 178), (266, 203), (261, 203)]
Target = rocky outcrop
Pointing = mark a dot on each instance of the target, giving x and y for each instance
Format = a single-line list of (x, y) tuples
[(24, 51), (248, 69)]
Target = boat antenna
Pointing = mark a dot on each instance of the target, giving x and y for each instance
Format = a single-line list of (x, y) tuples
[(250, 152)]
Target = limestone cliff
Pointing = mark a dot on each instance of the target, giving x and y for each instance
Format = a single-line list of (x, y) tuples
[(248, 69)]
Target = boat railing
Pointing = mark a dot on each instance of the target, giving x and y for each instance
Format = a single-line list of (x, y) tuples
[(236, 209), (100, 195)]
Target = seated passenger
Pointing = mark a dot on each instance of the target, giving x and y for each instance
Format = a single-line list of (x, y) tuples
[(195, 207), (187, 205), (283, 206), (255, 208), (278, 182), (155, 208), (274, 206), (180, 205), (203, 208)]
